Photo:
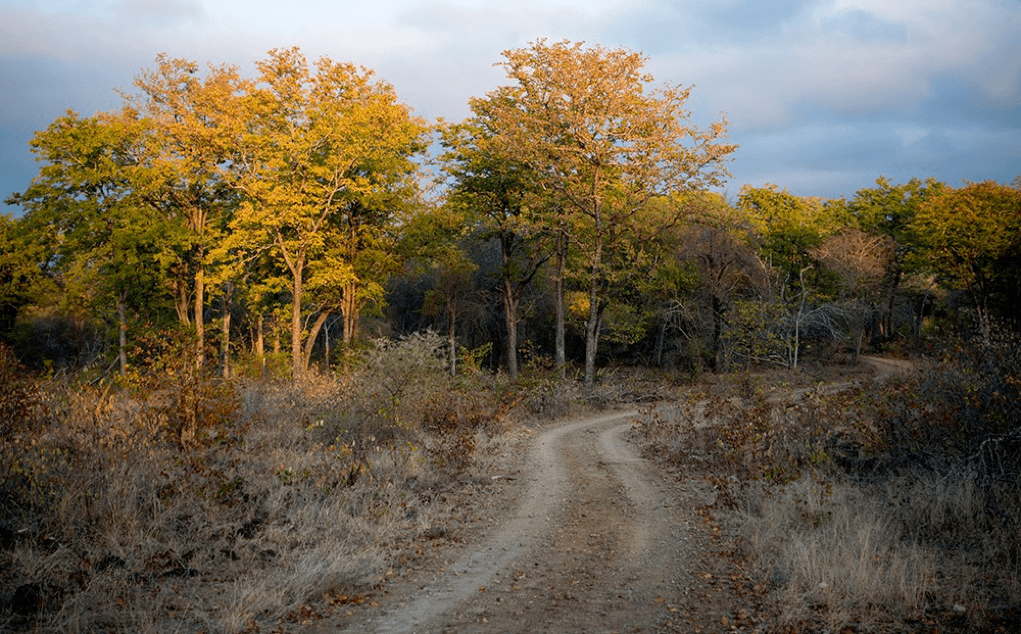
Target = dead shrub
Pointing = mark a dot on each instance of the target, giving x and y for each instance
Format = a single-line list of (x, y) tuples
[(873, 505), (117, 519)]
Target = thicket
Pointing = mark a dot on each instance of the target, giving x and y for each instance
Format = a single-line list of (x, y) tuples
[(167, 500), (886, 504)]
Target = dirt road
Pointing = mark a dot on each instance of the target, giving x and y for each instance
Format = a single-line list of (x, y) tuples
[(598, 540)]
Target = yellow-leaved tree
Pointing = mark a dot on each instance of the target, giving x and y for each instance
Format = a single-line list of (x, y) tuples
[(325, 163), (195, 120), (603, 142)]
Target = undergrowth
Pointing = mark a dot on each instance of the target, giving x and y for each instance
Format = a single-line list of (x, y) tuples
[(891, 504), (169, 500)]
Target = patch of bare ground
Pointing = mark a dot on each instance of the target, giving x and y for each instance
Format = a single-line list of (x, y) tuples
[(583, 536)]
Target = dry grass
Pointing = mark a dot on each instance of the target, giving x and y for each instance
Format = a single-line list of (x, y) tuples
[(835, 557), (885, 506), (285, 496)]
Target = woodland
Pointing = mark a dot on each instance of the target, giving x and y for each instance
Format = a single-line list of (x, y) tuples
[(280, 221), (235, 297)]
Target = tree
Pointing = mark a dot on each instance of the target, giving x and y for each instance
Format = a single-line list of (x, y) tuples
[(972, 237), (790, 229), (84, 201), (322, 155), (889, 210), (861, 261), (496, 193), (603, 142), (790, 226), (21, 260), (195, 121), (718, 243)]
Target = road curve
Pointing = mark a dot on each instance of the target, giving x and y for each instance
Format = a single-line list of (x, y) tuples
[(593, 545)]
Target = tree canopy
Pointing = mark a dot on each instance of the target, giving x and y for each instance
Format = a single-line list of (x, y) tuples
[(574, 213), (603, 142)]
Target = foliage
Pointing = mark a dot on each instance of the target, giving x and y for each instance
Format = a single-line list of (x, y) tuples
[(718, 244), (293, 202), (322, 165), (498, 195), (194, 122), (791, 226), (972, 236), (20, 275), (85, 208), (585, 123)]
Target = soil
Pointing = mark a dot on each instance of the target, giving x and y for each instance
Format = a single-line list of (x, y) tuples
[(585, 536)]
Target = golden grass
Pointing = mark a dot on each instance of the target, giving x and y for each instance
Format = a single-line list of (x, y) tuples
[(288, 493), (890, 506)]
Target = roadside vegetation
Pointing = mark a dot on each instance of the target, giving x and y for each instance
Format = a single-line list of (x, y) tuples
[(886, 504), (164, 503)]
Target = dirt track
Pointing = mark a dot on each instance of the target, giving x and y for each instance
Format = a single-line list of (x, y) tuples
[(590, 538), (598, 540)]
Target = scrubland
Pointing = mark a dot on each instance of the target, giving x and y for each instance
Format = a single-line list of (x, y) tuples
[(166, 501), (884, 504)]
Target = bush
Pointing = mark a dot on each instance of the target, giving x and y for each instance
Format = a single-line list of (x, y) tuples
[(868, 506), (116, 518)]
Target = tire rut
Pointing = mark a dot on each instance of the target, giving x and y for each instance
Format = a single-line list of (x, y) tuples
[(595, 544)]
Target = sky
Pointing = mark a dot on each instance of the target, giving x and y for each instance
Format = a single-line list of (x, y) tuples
[(821, 96)]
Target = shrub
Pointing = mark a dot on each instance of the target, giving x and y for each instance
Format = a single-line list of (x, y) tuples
[(873, 505)]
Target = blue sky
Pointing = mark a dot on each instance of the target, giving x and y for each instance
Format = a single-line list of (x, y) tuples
[(822, 96)]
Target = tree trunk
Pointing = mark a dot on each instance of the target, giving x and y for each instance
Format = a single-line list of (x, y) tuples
[(592, 327), (592, 332), (122, 330), (510, 316), (451, 339), (200, 306), (660, 340), (797, 320), (260, 341), (326, 344), (225, 337), (310, 343), (886, 323), (558, 276), (717, 331), (297, 359), (182, 302), (349, 312)]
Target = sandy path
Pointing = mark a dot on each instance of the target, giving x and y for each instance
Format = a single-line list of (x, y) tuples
[(597, 542)]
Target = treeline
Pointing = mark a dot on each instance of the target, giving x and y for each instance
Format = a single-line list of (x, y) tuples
[(569, 219)]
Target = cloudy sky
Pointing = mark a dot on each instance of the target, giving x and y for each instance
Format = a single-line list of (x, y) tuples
[(822, 96)]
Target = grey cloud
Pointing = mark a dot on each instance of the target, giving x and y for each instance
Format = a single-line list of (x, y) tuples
[(744, 16), (819, 100), (956, 99)]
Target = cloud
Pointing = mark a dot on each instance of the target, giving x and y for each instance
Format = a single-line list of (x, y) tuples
[(821, 95), (160, 12), (866, 27)]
